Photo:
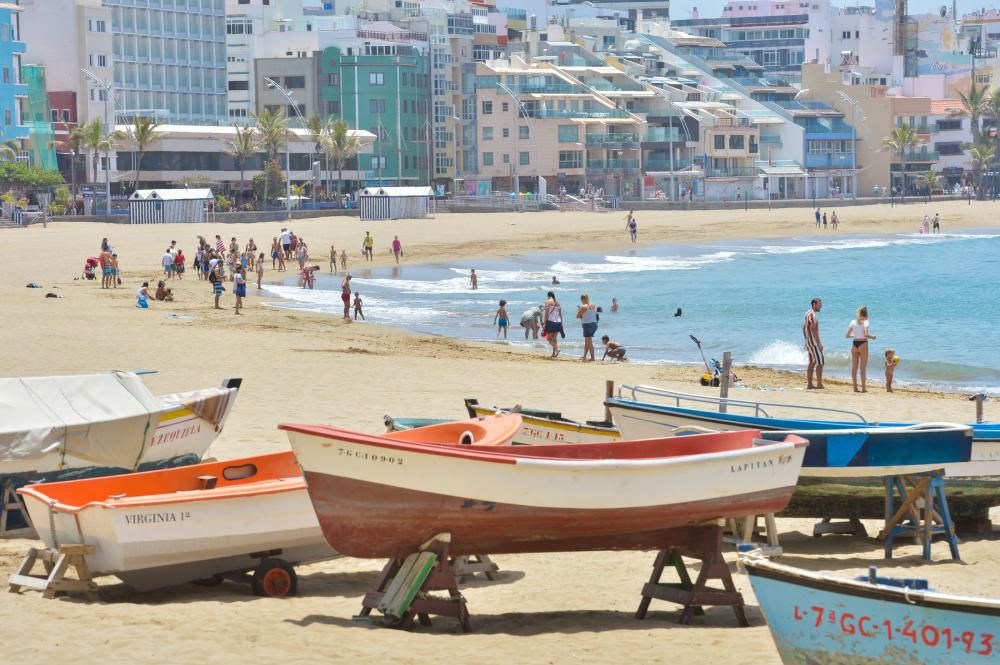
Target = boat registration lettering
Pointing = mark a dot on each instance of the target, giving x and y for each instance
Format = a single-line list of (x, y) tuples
[(157, 518), (371, 457), (548, 435), (175, 435), (929, 635), (759, 465)]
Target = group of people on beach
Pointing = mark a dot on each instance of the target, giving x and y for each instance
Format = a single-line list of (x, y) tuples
[(833, 220), (859, 333)]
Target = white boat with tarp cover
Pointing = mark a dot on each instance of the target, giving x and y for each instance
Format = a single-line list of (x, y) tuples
[(67, 427)]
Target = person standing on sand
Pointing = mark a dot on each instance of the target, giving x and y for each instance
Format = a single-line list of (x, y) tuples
[(473, 279), (397, 248), (333, 259), (814, 347), (357, 307), (529, 321), (553, 323), (834, 220), (927, 224), (343, 260), (239, 286), (824, 221), (345, 295), (286, 241), (115, 272), (501, 320), (891, 361), (260, 270), (937, 223), (275, 251), (588, 318), (857, 332), (630, 224), (368, 245), (818, 218)]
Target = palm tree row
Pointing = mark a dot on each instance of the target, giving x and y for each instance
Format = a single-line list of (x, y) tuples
[(977, 104), (270, 133)]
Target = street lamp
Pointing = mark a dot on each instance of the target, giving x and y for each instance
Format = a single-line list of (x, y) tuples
[(108, 94), (454, 157), (520, 111), (273, 85), (855, 111)]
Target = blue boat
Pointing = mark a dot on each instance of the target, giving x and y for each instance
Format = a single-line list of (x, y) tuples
[(644, 411), (817, 618)]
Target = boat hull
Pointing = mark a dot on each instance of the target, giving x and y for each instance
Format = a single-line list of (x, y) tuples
[(377, 499), (842, 453), (819, 620), (984, 459), (539, 431)]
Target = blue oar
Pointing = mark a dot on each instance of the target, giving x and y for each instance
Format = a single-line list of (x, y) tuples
[(145, 371)]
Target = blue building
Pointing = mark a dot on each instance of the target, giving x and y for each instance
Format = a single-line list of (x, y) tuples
[(13, 91)]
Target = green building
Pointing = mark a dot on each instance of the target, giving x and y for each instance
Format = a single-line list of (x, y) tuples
[(385, 89)]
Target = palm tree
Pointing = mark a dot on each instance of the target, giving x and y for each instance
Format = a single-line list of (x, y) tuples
[(982, 157), (902, 140), (929, 180), (97, 140), (243, 146), (143, 133), (9, 150), (272, 133), (975, 104), (76, 144), (341, 146)]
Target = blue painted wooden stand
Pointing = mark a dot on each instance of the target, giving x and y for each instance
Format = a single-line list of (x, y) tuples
[(913, 520)]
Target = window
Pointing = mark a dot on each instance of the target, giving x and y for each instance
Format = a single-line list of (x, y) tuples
[(506, 158), (950, 124), (719, 142), (487, 133), (487, 159), (376, 106), (54, 113), (505, 106), (6, 74), (376, 78), (333, 79), (506, 132), (570, 159), (65, 115), (97, 25), (378, 162), (736, 142), (295, 82), (569, 134), (239, 85), (7, 118), (290, 112), (524, 158), (487, 108), (954, 148), (523, 133)]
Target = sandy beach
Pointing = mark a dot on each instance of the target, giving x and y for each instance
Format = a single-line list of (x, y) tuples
[(310, 368)]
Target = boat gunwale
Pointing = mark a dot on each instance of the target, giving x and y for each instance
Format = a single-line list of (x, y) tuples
[(565, 424), (520, 455), (850, 587)]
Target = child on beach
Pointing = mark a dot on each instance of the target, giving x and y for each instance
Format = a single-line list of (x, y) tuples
[(142, 296), (215, 278), (115, 273), (473, 279), (501, 320), (357, 307), (239, 286), (397, 248), (343, 260), (333, 259), (163, 293), (891, 362), (613, 349), (260, 269)]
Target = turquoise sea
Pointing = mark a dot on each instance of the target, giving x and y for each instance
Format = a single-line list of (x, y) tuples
[(933, 298)]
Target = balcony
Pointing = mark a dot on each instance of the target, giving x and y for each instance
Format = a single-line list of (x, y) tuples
[(731, 171), (664, 135), (611, 139), (921, 156), (612, 164), (569, 114), (767, 139), (661, 164), (835, 160)]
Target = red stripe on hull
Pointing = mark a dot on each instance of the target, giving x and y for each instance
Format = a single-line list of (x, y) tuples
[(369, 520)]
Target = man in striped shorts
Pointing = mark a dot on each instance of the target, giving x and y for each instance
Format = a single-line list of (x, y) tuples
[(814, 347)]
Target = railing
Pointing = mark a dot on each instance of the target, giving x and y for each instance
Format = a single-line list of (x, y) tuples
[(557, 114), (659, 164), (757, 407), (835, 127), (496, 201), (573, 164), (925, 129), (836, 160), (770, 139), (663, 134), (922, 156), (602, 139), (611, 164), (731, 171)]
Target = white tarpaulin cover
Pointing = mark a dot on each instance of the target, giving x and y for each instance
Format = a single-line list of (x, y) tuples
[(100, 419)]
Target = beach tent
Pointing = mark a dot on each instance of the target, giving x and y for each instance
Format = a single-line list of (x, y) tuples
[(168, 206), (376, 203)]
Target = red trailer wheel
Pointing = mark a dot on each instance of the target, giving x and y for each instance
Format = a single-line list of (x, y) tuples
[(275, 578)]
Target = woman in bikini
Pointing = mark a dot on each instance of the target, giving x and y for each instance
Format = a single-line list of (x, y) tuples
[(553, 323), (857, 332)]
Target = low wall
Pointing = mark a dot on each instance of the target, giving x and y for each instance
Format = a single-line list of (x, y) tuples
[(222, 217)]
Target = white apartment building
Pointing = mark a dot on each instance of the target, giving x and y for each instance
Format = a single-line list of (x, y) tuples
[(164, 58)]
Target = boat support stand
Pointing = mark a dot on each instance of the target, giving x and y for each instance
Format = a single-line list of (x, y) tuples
[(922, 513)]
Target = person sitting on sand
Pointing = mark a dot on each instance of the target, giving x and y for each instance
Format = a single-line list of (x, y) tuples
[(357, 307), (142, 296), (613, 349), (163, 293)]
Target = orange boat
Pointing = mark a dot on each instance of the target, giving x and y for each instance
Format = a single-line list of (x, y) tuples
[(196, 522), (497, 430)]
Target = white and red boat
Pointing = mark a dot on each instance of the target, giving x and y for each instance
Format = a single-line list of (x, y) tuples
[(376, 496), (166, 527)]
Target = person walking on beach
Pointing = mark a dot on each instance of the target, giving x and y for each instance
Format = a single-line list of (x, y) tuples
[(357, 307), (275, 251), (529, 321), (553, 323), (588, 318), (824, 221), (343, 260), (179, 261), (891, 361), (858, 333), (368, 245), (501, 320), (345, 295), (260, 270), (397, 248), (818, 218), (240, 286), (216, 277), (927, 224), (630, 224), (814, 347), (473, 279), (613, 349), (937, 223), (220, 247), (834, 220), (286, 241), (333, 259)]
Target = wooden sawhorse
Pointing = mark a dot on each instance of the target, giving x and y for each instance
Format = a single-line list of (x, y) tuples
[(922, 512)]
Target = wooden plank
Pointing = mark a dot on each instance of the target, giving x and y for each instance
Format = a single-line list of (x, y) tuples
[(37, 583)]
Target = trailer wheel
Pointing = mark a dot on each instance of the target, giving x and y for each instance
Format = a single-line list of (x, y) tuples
[(275, 578)]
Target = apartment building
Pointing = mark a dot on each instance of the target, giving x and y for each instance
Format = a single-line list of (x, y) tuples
[(951, 131), (380, 82), (13, 91), (164, 59)]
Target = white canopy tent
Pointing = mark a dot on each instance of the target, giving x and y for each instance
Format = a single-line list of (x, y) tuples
[(379, 203), (168, 206)]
